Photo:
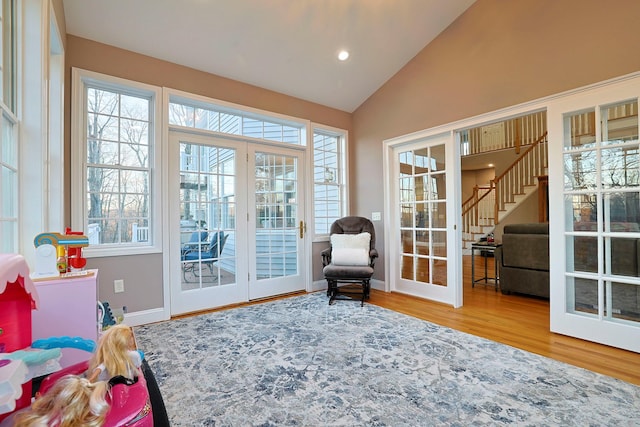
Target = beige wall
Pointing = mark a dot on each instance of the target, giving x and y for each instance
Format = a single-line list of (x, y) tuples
[(497, 54), (143, 274)]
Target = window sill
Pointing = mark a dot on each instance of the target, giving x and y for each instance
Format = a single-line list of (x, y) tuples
[(120, 251)]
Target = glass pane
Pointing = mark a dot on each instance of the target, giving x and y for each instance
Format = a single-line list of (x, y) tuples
[(582, 128), (9, 233), (423, 270), (406, 190), (406, 215), (134, 107), (438, 187), (625, 301), (421, 161), (406, 240), (583, 212), (440, 272), (102, 101), (135, 131), (422, 216), (437, 158), (134, 155), (422, 243), (585, 254), (622, 256), (580, 170), (438, 214), (407, 267), (9, 193), (181, 115), (619, 167), (439, 243), (620, 123), (421, 190), (586, 295), (624, 211), (9, 144)]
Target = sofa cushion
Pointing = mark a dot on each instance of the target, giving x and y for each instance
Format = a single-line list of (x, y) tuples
[(529, 251), (530, 228)]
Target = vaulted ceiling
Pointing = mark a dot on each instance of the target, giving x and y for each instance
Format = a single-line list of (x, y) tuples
[(288, 46)]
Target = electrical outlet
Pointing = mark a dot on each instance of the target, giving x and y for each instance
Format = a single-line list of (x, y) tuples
[(118, 286), (375, 216)]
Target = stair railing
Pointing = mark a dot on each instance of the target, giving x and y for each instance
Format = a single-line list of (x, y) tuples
[(484, 205), (523, 172), (477, 210)]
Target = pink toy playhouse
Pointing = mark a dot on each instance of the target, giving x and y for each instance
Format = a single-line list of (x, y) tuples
[(18, 297)]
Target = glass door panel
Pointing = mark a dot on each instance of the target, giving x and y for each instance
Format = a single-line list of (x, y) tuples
[(277, 200), (601, 194), (207, 215), (208, 193), (422, 211), (237, 217)]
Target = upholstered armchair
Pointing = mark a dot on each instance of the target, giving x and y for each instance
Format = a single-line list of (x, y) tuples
[(350, 258)]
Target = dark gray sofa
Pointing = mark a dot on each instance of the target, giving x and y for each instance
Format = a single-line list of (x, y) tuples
[(523, 267), (523, 259)]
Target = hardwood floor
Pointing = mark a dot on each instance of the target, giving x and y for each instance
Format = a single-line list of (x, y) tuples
[(517, 321)]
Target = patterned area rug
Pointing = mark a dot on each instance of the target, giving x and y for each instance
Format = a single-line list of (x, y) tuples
[(301, 362)]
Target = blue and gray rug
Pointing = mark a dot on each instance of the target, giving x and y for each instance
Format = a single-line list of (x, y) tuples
[(301, 362)]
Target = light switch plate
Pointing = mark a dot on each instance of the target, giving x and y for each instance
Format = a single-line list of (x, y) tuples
[(118, 286), (375, 216)]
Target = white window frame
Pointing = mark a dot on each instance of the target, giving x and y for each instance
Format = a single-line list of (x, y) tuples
[(40, 111), (9, 139), (341, 178), (80, 79)]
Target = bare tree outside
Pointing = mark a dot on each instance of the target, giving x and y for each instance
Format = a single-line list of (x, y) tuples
[(118, 173)]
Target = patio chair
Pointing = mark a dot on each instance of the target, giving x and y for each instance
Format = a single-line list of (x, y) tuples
[(205, 253)]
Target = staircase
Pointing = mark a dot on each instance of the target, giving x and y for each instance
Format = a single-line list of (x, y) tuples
[(491, 204)]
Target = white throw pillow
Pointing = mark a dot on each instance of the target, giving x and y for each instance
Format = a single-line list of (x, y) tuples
[(350, 249)]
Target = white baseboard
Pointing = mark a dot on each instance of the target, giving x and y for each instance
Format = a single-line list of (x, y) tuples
[(145, 317)]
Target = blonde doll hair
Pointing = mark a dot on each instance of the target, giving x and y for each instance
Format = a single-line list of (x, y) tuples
[(72, 401), (113, 352)]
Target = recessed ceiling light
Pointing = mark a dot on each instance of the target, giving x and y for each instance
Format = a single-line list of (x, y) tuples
[(343, 55), (490, 165)]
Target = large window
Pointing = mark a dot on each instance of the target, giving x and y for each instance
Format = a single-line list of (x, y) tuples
[(8, 133), (328, 178), (117, 134)]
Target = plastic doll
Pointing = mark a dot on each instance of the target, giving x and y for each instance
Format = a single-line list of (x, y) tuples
[(72, 401), (115, 355)]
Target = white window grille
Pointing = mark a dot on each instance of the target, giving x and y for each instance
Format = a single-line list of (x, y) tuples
[(328, 178)]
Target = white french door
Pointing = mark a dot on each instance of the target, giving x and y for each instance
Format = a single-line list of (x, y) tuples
[(424, 240), (276, 228), (594, 177), (236, 209)]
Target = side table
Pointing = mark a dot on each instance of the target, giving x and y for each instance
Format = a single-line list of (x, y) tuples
[(487, 248)]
